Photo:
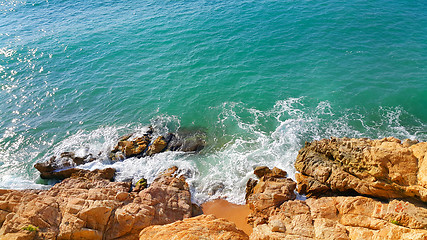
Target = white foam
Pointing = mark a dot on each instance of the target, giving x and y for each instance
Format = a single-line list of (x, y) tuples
[(17, 182), (239, 140)]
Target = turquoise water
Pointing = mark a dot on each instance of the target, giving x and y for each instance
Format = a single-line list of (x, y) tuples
[(260, 77)]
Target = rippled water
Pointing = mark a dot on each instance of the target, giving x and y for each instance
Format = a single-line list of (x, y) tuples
[(260, 77)]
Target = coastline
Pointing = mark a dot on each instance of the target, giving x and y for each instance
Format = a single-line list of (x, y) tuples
[(343, 180)]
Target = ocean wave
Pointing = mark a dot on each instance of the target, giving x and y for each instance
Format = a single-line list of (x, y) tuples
[(239, 139)]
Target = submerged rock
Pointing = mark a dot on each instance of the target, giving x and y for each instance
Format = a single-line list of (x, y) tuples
[(383, 168), (186, 141)]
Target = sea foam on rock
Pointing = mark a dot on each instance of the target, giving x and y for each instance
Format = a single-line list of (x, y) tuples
[(130, 145), (88, 206)]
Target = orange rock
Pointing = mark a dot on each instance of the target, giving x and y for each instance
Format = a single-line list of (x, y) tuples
[(87, 206), (157, 146), (201, 227), (382, 168)]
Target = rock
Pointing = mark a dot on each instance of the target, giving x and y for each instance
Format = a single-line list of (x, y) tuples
[(343, 218), (261, 171), (337, 217), (61, 167), (157, 146), (250, 185), (186, 140), (381, 168), (268, 193), (130, 148), (107, 173), (201, 227), (88, 206), (140, 185), (271, 191)]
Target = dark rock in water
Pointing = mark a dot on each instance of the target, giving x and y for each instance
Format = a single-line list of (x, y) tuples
[(196, 210), (61, 167), (216, 187), (186, 141), (157, 146)]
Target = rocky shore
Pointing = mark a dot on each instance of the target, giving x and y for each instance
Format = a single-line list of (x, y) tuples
[(355, 189)]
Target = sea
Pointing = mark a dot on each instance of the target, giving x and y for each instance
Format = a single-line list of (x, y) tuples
[(259, 77)]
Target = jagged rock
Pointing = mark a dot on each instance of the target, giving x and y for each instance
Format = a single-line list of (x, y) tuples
[(269, 192), (86, 206), (130, 148), (157, 146), (201, 227), (62, 167), (263, 171), (343, 218), (383, 168), (250, 184)]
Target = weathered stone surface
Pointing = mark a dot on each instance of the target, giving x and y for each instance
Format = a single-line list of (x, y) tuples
[(87, 206), (106, 173), (383, 168), (335, 217), (201, 227), (343, 218), (157, 146), (130, 148), (63, 166), (268, 193)]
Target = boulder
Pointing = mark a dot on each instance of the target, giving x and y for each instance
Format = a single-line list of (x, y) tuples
[(63, 166), (140, 185), (201, 227), (157, 146), (88, 206), (130, 148), (269, 192), (385, 168)]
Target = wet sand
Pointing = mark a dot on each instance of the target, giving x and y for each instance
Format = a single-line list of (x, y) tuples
[(221, 208)]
